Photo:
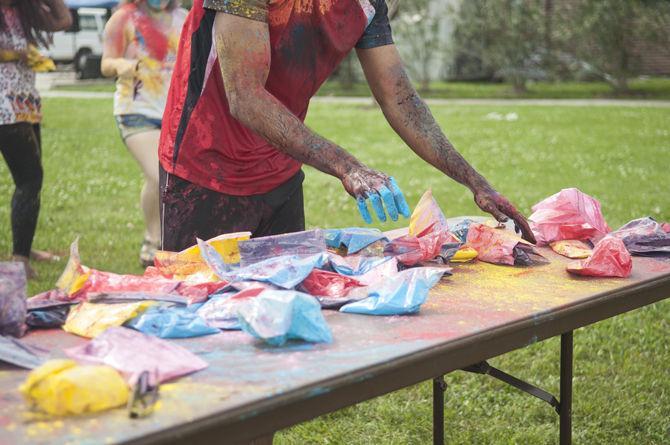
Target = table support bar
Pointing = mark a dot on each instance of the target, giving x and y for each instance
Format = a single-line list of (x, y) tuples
[(565, 411), (562, 408), (439, 388)]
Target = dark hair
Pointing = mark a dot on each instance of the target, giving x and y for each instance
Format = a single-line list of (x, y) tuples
[(33, 18)]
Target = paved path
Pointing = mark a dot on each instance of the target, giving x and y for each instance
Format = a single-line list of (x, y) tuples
[(488, 102)]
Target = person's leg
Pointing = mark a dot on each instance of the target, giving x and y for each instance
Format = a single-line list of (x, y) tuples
[(189, 211), (21, 149), (144, 148)]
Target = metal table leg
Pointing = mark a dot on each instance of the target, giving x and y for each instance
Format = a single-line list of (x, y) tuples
[(439, 388), (565, 410)]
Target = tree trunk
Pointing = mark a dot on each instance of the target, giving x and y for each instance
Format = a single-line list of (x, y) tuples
[(620, 84), (519, 85)]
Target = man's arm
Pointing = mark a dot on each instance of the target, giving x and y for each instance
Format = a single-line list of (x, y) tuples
[(411, 118), (243, 47)]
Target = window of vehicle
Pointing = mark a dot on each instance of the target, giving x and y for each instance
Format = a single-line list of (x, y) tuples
[(88, 23)]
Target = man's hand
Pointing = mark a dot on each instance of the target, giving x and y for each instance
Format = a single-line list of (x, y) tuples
[(364, 183), (411, 118), (497, 205)]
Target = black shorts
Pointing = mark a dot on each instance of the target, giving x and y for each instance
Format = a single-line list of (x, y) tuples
[(189, 211)]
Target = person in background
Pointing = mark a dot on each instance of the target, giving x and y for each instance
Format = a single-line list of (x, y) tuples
[(140, 46), (24, 23)]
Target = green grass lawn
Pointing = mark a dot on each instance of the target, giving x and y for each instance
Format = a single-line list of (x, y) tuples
[(652, 89), (619, 155)]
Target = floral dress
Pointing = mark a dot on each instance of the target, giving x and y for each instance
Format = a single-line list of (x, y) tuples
[(19, 99)]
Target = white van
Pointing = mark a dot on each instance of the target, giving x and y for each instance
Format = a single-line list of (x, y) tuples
[(81, 44)]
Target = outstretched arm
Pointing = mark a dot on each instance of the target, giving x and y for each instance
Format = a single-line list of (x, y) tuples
[(243, 48), (411, 118)]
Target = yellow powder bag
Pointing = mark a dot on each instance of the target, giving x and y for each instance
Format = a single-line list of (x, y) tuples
[(91, 319), (61, 387)]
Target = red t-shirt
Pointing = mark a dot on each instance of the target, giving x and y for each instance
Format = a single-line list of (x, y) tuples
[(200, 140)]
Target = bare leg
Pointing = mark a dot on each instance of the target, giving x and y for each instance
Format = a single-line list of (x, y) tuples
[(144, 148)]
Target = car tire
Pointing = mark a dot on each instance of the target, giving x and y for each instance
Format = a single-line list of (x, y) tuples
[(80, 62)]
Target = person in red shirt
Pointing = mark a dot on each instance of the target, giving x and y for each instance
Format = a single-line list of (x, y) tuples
[(233, 139)]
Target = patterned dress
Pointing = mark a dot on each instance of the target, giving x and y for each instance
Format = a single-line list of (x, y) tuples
[(19, 99)]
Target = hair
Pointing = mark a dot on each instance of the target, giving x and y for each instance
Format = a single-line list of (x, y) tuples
[(33, 18)]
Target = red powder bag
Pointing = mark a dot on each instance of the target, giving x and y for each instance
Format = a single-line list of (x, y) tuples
[(609, 259), (568, 215), (428, 231), (321, 283)]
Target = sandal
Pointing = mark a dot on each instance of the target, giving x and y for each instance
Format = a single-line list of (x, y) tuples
[(147, 253), (43, 255)]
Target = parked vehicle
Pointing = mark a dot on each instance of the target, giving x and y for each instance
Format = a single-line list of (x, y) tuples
[(81, 44)]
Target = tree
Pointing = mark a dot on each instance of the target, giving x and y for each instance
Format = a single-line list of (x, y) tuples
[(506, 36), (605, 35), (418, 27)]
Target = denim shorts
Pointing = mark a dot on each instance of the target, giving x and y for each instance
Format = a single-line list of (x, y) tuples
[(131, 124)]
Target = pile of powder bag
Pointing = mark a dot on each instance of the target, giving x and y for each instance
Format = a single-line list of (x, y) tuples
[(275, 289)]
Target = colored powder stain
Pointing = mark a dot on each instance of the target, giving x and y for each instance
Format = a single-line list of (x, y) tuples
[(44, 428), (320, 390), (149, 36)]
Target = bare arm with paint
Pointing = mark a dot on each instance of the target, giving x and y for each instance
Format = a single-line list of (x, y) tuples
[(113, 63), (243, 47), (411, 118)]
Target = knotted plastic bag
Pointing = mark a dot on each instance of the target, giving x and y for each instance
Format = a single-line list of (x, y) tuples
[(61, 387), (501, 246), (568, 215), (91, 319), (170, 322), (428, 231), (610, 258), (12, 299), (78, 281), (399, 295), (354, 265), (189, 261), (279, 316), (131, 353), (48, 318), (18, 353), (353, 239), (283, 271), (306, 243), (221, 311), (644, 236), (322, 283)]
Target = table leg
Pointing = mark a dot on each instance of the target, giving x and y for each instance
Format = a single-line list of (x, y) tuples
[(566, 389), (439, 388)]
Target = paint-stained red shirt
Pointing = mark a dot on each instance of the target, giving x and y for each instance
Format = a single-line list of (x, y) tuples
[(200, 140)]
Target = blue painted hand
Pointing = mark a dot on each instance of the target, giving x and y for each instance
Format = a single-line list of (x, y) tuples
[(387, 197)]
